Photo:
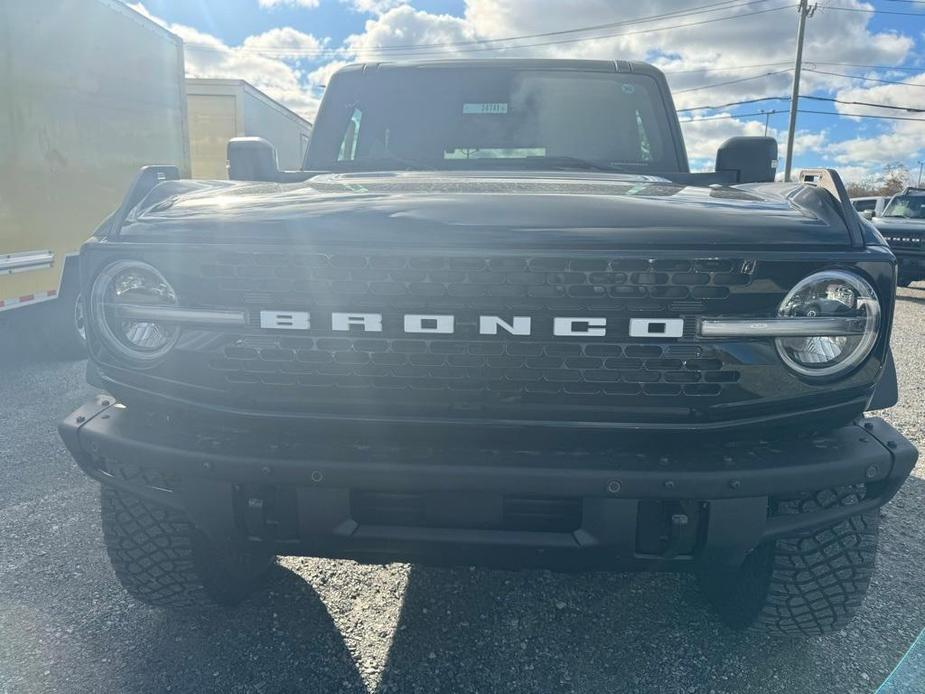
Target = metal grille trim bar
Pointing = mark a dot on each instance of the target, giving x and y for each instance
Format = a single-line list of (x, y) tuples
[(781, 327)]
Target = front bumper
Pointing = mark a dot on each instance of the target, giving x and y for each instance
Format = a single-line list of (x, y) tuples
[(632, 503), (911, 264)]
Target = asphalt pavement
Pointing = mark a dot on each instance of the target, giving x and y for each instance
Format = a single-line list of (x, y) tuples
[(336, 626)]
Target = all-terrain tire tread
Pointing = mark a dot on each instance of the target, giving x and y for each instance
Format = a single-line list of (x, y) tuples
[(807, 585), (151, 551), (161, 559)]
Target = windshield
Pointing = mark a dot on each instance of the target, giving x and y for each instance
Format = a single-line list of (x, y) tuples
[(908, 206), (477, 118)]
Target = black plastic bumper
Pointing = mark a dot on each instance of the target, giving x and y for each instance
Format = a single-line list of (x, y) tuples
[(298, 491), (911, 265)]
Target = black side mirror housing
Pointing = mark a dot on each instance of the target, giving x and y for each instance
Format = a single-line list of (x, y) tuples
[(252, 159), (748, 159)]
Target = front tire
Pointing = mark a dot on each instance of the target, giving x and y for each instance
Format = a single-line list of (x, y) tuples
[(63, 324), (807, 585), (161, 559)]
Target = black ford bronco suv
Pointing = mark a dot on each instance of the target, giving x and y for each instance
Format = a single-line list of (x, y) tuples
[(495, 320), (902, 224)]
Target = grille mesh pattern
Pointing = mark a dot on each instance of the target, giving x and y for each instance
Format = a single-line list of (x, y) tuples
[(618, 284), (498, 367), (905, 241)]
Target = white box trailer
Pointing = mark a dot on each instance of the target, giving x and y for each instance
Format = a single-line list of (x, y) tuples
[(220, 109), (90, 91)]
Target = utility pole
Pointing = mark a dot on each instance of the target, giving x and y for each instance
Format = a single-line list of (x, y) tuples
[(921, 166), (805, 12)]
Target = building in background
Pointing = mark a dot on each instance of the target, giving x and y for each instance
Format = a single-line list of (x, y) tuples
[(221, 109)]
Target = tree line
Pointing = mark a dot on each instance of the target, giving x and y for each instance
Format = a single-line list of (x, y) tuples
[(894, 178)]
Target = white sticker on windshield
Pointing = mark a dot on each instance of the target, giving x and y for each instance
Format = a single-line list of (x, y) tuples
[(479, 109)]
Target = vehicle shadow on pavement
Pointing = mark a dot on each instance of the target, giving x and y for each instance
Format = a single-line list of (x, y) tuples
[(534, 631), (489, 631), (21, 339), (282, 640), (920, 299)]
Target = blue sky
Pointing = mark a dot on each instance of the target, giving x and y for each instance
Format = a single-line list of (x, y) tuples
[(713, 52)]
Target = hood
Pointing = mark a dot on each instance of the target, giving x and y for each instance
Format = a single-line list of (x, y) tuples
[(899, 224), (519, 209)]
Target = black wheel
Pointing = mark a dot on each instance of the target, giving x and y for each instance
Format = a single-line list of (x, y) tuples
[(63, 324), (808, 585), (161, 559)]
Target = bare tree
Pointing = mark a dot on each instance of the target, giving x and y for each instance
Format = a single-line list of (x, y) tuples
[(894, 178)]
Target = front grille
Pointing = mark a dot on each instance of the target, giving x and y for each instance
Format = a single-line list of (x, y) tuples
[(431, 281), (466, 511), (912, 242), (496, 369), (466, 365)]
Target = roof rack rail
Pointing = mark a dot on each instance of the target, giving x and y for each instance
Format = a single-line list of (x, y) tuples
[(830, 181)]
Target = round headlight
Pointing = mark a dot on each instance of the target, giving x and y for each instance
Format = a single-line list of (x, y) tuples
[(842, 344), (121, 292)]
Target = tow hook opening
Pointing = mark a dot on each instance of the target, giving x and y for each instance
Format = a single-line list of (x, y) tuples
[(670, 528)]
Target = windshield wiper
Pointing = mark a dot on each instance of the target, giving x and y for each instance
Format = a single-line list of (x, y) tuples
[(566, 162), (379, 164)]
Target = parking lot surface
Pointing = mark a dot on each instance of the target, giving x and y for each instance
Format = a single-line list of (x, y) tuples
[(331, 626)]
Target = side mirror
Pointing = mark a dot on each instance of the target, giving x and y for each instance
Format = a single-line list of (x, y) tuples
[(748, 159), (868, 214), (252, 159)]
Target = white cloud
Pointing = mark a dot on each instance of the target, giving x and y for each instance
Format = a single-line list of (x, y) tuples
[(259, 60), (270, 4), (373, 6), (704, 136), (320, 77), (405, 26), (283, 42), (899, 141)]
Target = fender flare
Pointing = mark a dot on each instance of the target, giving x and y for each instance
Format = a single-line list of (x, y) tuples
[(886, 394)]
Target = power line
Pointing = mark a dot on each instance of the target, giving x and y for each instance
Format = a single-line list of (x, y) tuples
[(730, 116), (865, 11), (487, 48), (733, 103), (724, 69), (872, 67), (822, 113), (909, 109), (728, 82), (865, 79), (701, 9), (863, 115)]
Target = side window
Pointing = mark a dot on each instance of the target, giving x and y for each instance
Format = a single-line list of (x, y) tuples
[(348, 146)]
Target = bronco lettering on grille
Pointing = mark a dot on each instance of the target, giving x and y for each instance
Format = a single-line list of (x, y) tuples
[(442, 324)]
